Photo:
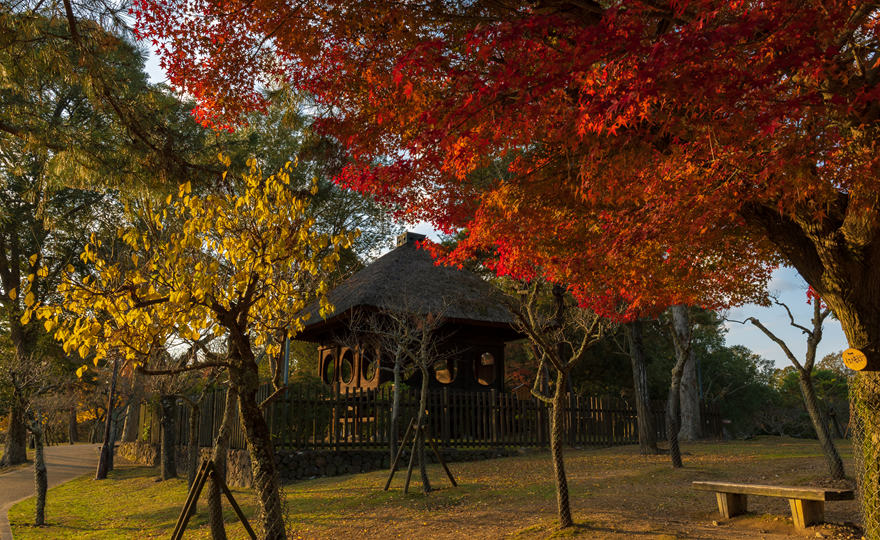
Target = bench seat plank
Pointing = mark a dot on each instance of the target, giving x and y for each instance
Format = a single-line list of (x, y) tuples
[(799, 493)]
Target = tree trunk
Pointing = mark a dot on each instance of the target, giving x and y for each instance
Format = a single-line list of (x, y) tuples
[(73, 427), (832, 458), (218, 456), (15, 450), (647, 436), (192, 450), (132, 421), (557, 409), (682, 338), (394, 438), (839, 257), (259, 443), (104, 463), (419, 443), (691, 426), (40, 477), (168, 465)]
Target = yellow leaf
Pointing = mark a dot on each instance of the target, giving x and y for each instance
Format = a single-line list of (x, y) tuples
[(168, 200), (29, 299), (12, 294), (49, 325), (80, 371), (33, 258)]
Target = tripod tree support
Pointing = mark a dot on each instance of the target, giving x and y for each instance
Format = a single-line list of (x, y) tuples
[(411, 459), (205, 470)]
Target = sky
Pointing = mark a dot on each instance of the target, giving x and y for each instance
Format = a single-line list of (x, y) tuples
[(792, 291)]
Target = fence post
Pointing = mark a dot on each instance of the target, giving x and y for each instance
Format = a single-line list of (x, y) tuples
[(494, 421)]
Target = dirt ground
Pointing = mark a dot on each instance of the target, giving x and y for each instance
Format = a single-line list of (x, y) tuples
[(615, 494)]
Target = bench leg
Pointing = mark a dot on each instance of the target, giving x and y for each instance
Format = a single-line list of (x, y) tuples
[(806, 513), (731, 504)]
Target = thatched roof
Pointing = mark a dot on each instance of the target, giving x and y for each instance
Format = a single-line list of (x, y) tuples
[(406, 279)]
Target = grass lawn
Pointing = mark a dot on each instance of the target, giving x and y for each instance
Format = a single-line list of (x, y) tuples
[(615, 493)]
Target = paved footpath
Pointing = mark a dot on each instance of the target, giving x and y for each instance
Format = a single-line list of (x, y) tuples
[(63, 464)]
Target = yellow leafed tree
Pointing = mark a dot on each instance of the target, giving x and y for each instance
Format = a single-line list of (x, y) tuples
[(235, 267)]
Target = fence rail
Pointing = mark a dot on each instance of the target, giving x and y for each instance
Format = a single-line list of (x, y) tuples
[(322, 418)]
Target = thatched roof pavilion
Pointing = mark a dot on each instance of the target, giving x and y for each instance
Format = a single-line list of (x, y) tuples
[(406, 279)]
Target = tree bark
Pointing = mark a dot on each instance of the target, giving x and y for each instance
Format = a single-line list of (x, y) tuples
[(419, 442), (41, 483), (72, 427), (104, 463), (557, 409), (15, 450), (681, 333), (691, 427), (168, 465), (647, 436), (192, 450), (218, 456), (394, 438), (832, 457), (259, 444)]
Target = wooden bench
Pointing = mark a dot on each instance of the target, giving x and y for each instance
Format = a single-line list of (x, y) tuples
[(807, 503)]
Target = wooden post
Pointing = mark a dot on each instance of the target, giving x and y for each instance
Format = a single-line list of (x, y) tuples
[(731, 504), (439, 457), (399, 454), (492, 420), (446, 414), (806, 513)]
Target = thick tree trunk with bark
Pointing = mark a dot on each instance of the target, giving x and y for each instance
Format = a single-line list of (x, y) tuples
[(168, 464), (691, 427), (557, 409), (647, 436), (72, 427), (681, 333), (259, 444), (41, 482), (218, 456), (15, 449)]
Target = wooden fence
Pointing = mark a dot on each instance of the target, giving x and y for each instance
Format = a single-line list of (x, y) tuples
[(317, 417)]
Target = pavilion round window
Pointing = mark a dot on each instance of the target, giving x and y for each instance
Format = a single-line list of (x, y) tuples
[(445, 371), (346, 368), (368, 364), (484, 368), (329, 370)]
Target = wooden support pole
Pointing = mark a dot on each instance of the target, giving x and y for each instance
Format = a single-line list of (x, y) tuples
[(191, 499), (231, 499), (412, 460), (439, 457), (399, 453)]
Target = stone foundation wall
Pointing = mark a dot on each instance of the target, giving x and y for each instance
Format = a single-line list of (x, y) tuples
[(304, 465)]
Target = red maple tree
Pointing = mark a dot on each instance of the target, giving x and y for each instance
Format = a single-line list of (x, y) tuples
[(659, 151)]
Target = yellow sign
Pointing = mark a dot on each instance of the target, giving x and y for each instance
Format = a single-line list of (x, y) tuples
[(855, 359)]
